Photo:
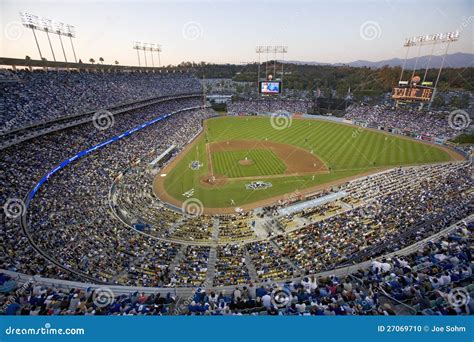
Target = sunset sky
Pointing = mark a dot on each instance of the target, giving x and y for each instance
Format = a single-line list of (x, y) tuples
[(228, 31)]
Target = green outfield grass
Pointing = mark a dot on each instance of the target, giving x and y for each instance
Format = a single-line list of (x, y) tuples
[(345, 149), (264, 163)]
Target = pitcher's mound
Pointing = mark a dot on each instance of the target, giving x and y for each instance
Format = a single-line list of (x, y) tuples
[(246, 161), (211, 181)]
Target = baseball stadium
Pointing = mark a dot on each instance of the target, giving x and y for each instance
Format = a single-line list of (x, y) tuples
[(271, 187)]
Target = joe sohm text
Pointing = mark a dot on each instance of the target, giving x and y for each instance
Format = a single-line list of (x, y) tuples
[(421, 328)]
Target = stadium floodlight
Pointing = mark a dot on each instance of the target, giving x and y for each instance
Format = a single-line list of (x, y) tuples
[(47, 26), (147, 47), (136, 46), (31, 21), (35, 22), (71, 33), (60, 28), (156, 48), (275, 49), (432, 38)]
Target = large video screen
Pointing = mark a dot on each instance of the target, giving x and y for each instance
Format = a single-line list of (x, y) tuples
[(270, 87)]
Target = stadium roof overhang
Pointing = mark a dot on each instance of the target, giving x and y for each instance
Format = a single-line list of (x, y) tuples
[(35, 63)]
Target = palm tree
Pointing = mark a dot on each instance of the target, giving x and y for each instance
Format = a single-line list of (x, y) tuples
[(27, 62), (92, 60), (101, 60)]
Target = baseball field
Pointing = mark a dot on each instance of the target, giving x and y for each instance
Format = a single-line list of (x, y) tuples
[(249, 161)]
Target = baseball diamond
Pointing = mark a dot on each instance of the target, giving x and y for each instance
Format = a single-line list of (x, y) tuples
[(302, 157)]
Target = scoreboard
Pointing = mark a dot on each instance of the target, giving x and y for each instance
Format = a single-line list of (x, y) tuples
[(413, 93), (269, 87)]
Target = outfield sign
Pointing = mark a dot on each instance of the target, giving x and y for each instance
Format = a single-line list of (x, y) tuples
[(416, 93)]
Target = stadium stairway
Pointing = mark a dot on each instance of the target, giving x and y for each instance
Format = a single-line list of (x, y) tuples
[(250, 267), (211, 266), (215, 230), (179, 256)]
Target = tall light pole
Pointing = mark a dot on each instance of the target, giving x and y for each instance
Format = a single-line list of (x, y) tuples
[(144, 54), (71, 33), (259, 50), (147, 47), (158, 50), (49, 26), (137, 46), (281, 49), (431, 39), (150, 48), (59, 29), (32, 22)]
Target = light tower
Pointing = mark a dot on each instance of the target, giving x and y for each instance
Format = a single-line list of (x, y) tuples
[(410, 90), (147, 47), (48, 26)]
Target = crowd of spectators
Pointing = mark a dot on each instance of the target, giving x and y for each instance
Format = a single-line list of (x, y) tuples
[(413, 205), (37, 96), (85, 185), (403, 197), (435, 124), (44, 153), (39, 300), (253, 107), (421, 282), (70, 220), (230, 268)]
